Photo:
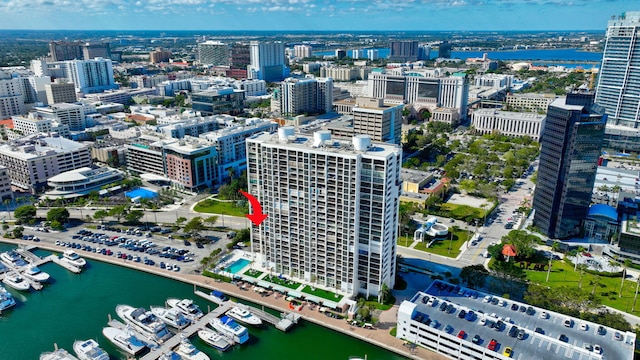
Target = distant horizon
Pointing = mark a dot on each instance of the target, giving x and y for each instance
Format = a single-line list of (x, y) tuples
[(312, 15)]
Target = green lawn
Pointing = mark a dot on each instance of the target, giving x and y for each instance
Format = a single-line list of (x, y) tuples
[(322, 294), (253, 273), (607, 291), (276, 280), (461, 212), (213, 206), (441, 247), (405, 241)]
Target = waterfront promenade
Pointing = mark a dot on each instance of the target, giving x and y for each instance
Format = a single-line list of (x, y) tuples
[(379, 336)]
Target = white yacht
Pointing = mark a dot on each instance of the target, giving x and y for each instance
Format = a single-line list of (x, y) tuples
[(12, 258), (89, 350), (186, 306), (214, 339), (227, 326), (124, 340), (187, 351), (16, 281), (34, 273), (6, 299), (60, 354), (170, 356), (144, 321), (172, 317), (245, 316), (3, 267), (71, 257)]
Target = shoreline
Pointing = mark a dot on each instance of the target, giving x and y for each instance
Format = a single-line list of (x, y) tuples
[(379, 336)]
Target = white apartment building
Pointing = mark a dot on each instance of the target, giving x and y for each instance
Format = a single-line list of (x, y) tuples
[(120, 96), (60, 93), (91, 76), (11, 97), (33, 159), (33, 89), (213, 53), (373, 54), (71, 115), (530, 102), (487, 121), (267, 61), (251, 87), (310, 95), (5, 184), (177, 128), (498, 81), (345, 73), (302, 51), (231, 145), (148, 81), (333, 209), (33, 124)]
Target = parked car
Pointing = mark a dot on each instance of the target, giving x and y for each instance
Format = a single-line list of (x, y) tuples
[(492, 345)]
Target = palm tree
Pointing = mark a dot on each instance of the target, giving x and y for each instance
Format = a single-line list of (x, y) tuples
[(385, 293), (581, 272), (579, 252), (6, 203), (211, 220), (625, 265), (635, 297), (595, 282)]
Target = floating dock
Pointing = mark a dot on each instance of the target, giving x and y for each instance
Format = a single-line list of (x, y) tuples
[(66, 265)]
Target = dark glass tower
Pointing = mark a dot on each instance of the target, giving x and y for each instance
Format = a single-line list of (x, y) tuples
[(571, 143)]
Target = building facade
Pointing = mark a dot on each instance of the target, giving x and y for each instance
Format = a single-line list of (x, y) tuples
[(5, 184), (159, 55), (267, 61), (63, 50), (71, 115), (302, 51), (530, 102), (33, 124), (308, 95), (11, 97), (91, 76), (221, 101), (404, 51), (487, 121), (80, 182), (333, 209), (213, 53), (382, 122), (570, 148), (60, 93)]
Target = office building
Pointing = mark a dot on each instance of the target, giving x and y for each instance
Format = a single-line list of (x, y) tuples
[(308, 95), (267, 61), (333, 209), (358, 54), (618, 88), (159, 55), (91, 76), (33, 159), (213, 53), (34, 124), (444, 51), (341, 54), (11, 97), (63, 50), (96, 50), (403, 51), (488, 121), (240, 55), (424, 52), (71, 115), (382, 122), (60, 93), (570, 147), (498, 81), (302, 51), (530, 102), (33, 89), (218, 101)]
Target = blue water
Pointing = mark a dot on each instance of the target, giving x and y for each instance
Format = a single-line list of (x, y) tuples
[(534, 54), (141, 192), (238, 265)]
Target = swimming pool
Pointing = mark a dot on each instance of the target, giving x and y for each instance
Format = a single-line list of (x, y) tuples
[(237, 265), (141, 192)]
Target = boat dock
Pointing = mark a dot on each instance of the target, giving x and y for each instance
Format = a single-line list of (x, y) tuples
[(284, 323), (57, 260)]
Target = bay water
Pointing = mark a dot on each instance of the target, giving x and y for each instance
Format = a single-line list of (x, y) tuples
[(76, 307)]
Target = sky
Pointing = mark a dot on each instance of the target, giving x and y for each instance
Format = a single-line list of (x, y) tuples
[(418, 15)]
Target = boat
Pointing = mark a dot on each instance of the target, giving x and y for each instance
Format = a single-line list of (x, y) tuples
[(3, 267), (170, 356), (124, 340), (214, 339), (186, 306), (60, 354), (89, 350), (172, 317), (12, 258), (16, 281), (144, 321), (71, 257), (227, 326), (34, 273), (6, 299), (187, 351), (245, 316)]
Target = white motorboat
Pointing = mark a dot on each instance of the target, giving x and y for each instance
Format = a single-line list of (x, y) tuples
[(3, 267), (187, 351), (124, 340), (172, 317), (16, 281), (245, 316), (170, 356), (34, 273), (89, 350), (214, 339), (6, 299), (186, 306), (144, 321), (12, 258), (71, 257), (60, 354), (227, 326)]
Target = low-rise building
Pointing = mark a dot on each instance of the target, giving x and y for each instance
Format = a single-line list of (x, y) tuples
[(487, 121), (80, 182), (530, 102), (218, 101), (33, 124)]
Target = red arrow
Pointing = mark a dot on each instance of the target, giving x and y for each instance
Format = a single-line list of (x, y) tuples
[(257, 217)]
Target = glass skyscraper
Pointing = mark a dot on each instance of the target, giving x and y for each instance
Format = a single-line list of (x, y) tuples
[(570, 146)]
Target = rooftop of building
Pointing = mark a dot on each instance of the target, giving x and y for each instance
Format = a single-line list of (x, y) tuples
[(36, 145), (415, 176), (83, 173), (533, 95), (604, 211)]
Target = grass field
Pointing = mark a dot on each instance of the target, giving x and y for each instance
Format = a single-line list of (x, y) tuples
[(212, 206), (328, 295), (276, 280), (441, 247), (606, 289)]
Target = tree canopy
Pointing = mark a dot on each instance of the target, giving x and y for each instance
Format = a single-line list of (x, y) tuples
[(25, 214), (61, 215)]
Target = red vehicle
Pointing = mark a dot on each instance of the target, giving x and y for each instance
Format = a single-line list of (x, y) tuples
[(586, 254), (462, 334), (492, 345)]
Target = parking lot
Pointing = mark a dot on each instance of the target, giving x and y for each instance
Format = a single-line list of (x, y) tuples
[(532, 333)]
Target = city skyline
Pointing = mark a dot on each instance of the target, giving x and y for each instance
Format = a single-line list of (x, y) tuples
[(416, 15)]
